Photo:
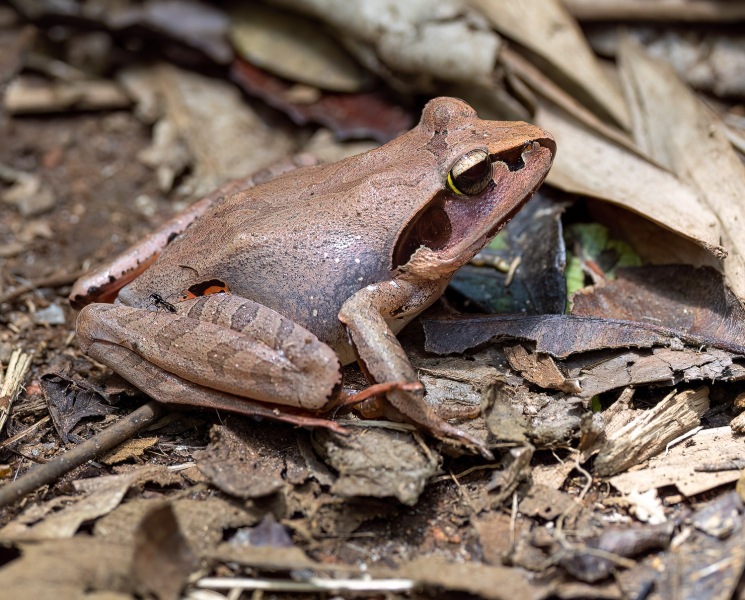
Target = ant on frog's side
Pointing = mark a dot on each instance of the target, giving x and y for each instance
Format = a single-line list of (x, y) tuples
[(161, 302)]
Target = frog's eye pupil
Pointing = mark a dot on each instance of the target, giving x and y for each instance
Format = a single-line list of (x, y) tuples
[(471, 174)]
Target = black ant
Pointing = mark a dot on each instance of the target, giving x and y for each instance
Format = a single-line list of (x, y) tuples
[(161, 302)]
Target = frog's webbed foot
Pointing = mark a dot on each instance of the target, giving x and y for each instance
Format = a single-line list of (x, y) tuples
[(428, 420)]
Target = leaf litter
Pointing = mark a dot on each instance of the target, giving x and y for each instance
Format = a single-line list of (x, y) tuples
[(233, 498)]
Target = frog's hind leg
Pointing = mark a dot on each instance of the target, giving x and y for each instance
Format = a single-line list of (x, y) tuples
[(221, 342), (174, 390)]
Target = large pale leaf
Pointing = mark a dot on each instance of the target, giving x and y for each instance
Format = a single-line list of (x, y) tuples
[(545, 28), (589, 164), (296, 48), (675, 127), (418, 37)]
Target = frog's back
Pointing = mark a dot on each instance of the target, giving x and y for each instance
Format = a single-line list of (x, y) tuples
[(300, 244)]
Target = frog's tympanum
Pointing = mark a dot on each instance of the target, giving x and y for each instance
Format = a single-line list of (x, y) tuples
[(316, 267)]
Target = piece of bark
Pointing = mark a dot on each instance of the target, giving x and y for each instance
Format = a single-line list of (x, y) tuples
[(688, 465), (649, 433), (12, 382), (600, 372), (540, 369)]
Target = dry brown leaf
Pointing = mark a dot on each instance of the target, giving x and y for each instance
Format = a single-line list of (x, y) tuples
[(377, 462), (101, 500), (491, 582), (163, 558), (74, 568), (224, 137), (548, 30), (593, 166), (670, 121), (295, 48), (129, 449)]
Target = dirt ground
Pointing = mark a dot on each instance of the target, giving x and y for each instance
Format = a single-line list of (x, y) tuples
[(205, 493)]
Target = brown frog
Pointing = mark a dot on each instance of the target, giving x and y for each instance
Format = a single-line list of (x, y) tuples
[(322, 265)]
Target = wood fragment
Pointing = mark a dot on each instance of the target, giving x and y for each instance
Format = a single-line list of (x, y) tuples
[(88, 450), (709, 461), (23, 97), (649, 433), (13, 382)]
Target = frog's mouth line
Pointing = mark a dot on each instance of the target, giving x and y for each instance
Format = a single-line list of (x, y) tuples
[(455, 227)]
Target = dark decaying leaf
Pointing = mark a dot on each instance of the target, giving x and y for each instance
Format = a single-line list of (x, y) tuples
[(646, 306), (515, 414), (682, 298), (537, 287), (349, 116), (245, 458), (590, 566), (162, 557), (557, 335), (711, 562), (70, 400)]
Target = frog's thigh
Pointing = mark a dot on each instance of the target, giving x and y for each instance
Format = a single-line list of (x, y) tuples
[(270, 358)]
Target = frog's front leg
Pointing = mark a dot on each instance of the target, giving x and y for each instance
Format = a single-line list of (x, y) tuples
[(218, 351), (367, 315)]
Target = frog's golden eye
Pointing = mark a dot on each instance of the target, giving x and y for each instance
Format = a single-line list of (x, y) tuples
[(471, 174)]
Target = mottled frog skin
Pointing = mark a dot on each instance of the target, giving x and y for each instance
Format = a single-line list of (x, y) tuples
[(329, 260)]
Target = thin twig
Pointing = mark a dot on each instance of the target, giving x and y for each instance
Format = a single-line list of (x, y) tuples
[(53, 281), (312, 584), (109, 438), (21, 434), (14, 375)]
